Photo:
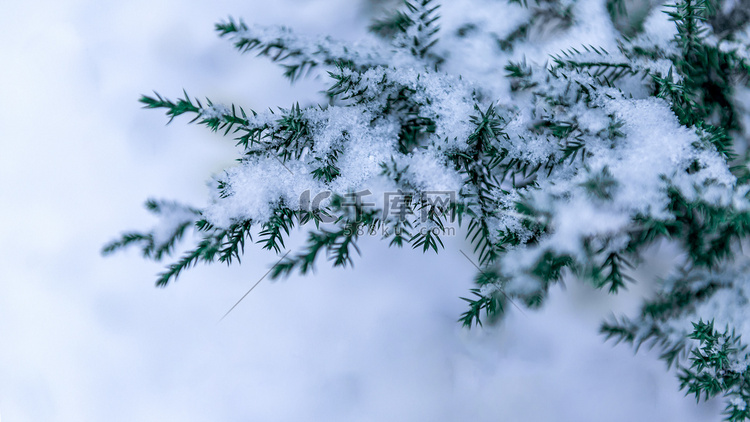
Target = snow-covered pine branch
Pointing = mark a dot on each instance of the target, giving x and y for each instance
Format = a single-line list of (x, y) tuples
[(567, 136)]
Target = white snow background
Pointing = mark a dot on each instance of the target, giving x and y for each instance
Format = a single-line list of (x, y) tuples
[(84, 338)]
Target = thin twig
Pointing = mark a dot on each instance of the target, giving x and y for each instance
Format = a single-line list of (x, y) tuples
[(501, 290), (254, 285)]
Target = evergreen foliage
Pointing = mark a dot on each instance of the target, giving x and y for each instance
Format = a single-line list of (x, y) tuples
[(571, 167)]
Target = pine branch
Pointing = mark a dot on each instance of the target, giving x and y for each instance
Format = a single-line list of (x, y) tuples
[(478, 164), (215, 117), (128, 239), (718, 366), (217, 245), (520, 75), (391, 25), (413, 28), (414, 126), (337, 244), (492, 305), (286, 136), (551, 15), (206, 251), (159, 242), (234, 245), (274, 230), (328, 171), (687, 16), (611, 274), (428, 237), (297, 55)]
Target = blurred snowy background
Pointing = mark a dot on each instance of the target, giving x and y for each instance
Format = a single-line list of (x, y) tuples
[(83, 338)]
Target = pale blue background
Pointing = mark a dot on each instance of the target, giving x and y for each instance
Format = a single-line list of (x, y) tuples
[(83, 338)]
